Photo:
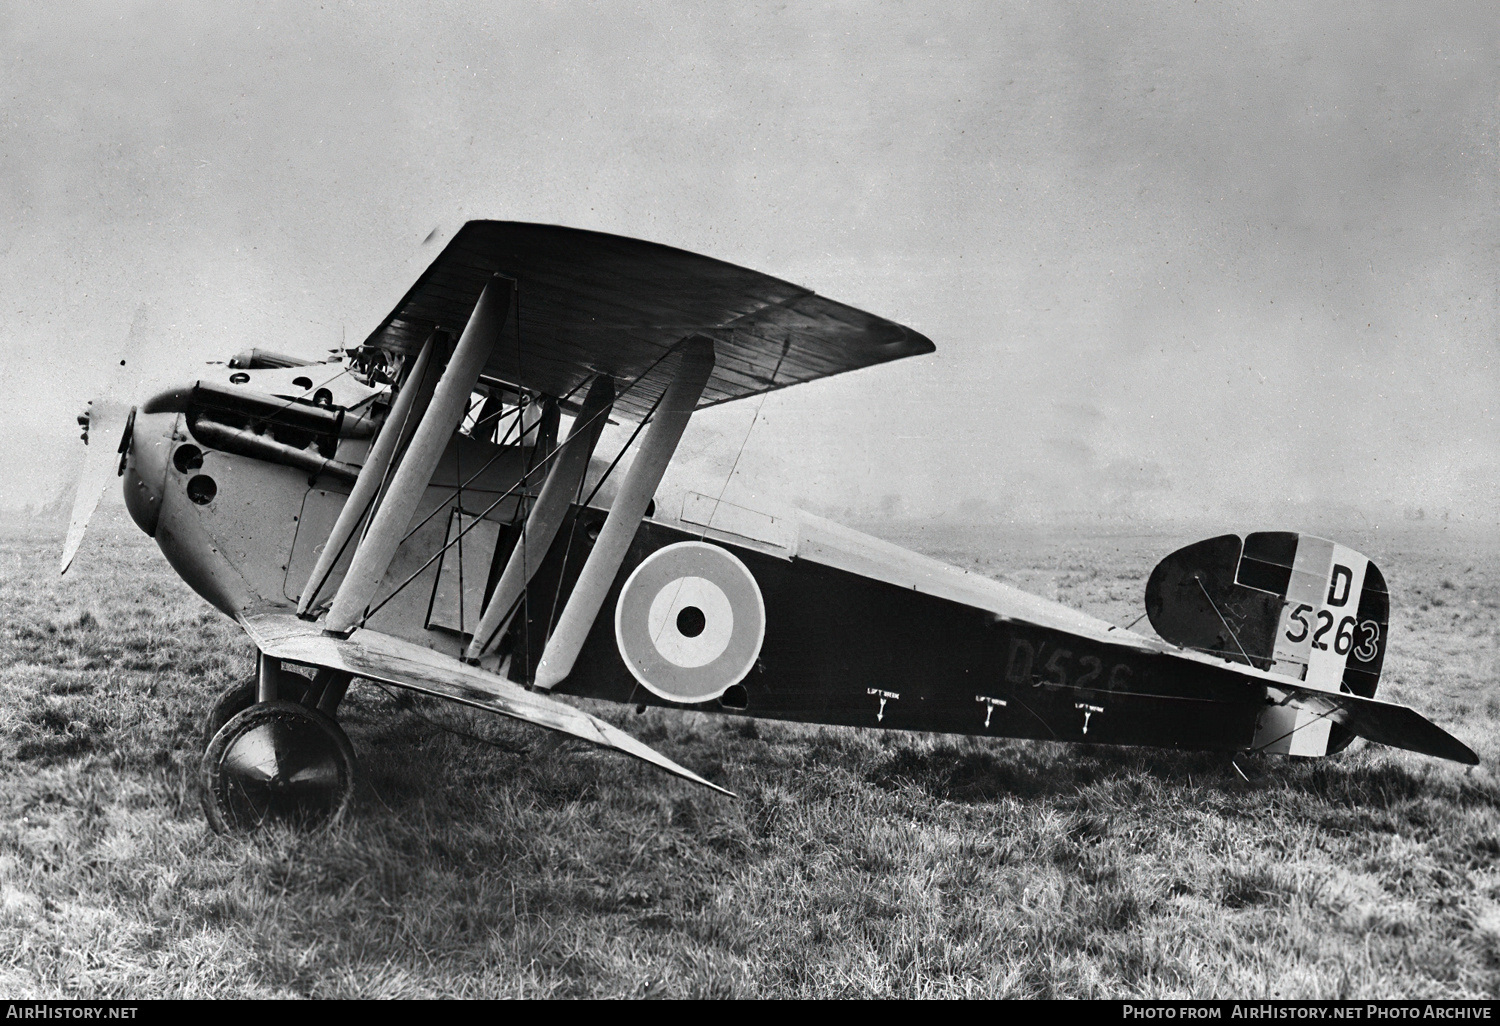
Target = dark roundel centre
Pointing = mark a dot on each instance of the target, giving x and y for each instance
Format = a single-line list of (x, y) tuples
[(690, 622)]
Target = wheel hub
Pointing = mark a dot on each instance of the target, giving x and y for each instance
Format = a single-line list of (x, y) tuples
[(277, 762)]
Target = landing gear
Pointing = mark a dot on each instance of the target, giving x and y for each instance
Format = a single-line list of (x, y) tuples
[(242, 696), (324, 693), (277, 761)]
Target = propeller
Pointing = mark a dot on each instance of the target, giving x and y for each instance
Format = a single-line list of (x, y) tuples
[(107, 420)]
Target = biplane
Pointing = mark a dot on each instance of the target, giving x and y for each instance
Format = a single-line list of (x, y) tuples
[(412, 512)]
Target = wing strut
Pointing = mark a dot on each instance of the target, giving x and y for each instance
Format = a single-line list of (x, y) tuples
[(696, 363), (450, 401), (547, 515), (400, 423)]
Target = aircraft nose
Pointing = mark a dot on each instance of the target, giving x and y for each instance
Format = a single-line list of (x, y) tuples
[(147, 445)]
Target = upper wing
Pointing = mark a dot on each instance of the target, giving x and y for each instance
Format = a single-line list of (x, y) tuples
[(380, 657), (589, 303)]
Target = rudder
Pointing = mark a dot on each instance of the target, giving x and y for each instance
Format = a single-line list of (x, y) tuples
[(1303, 607)]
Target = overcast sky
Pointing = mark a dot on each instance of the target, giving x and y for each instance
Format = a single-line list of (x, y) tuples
[(1234, 261)]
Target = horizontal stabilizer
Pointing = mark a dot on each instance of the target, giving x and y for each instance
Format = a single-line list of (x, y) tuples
[(390, 660), (1384, 723)]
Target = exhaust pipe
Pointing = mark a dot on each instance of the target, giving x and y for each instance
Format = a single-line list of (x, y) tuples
[(264, 359), (243, 442), (242, 402)]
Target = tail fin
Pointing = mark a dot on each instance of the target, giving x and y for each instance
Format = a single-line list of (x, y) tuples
[(1305, 608)]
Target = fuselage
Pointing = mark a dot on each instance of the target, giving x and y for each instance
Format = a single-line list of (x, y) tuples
[(857, 631)]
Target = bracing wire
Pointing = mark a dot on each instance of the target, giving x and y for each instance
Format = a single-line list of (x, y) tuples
[(1235, 637), (733, 466), (1300, 726), (365, 513), (573, 528), (522, 481)]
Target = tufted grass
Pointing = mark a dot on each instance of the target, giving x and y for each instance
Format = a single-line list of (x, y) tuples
[(856, 864)]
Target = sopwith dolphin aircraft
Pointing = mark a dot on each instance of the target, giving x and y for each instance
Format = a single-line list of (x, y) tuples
[(411, 513)]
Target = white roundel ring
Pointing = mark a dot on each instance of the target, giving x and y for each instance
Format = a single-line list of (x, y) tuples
[(690, 622)]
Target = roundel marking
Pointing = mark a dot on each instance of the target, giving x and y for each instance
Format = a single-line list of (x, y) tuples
[(690, 621)]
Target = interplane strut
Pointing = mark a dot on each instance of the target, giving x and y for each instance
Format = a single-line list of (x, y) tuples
[(450, 401), (695, 364), (405, 414), (547, 515)]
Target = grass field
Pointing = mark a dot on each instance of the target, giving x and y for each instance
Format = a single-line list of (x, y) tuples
[(855, 864)]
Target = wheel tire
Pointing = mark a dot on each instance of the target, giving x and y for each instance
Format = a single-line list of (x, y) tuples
[(237, 699), (276, 762)]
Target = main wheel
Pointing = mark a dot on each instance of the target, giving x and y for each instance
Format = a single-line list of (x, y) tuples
[(276, 761), (293, 687)]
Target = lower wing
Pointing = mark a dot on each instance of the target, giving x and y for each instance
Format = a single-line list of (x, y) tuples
[(381, 657)]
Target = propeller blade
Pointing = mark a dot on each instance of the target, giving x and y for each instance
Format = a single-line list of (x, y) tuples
[(108, 416), (106, 425)]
